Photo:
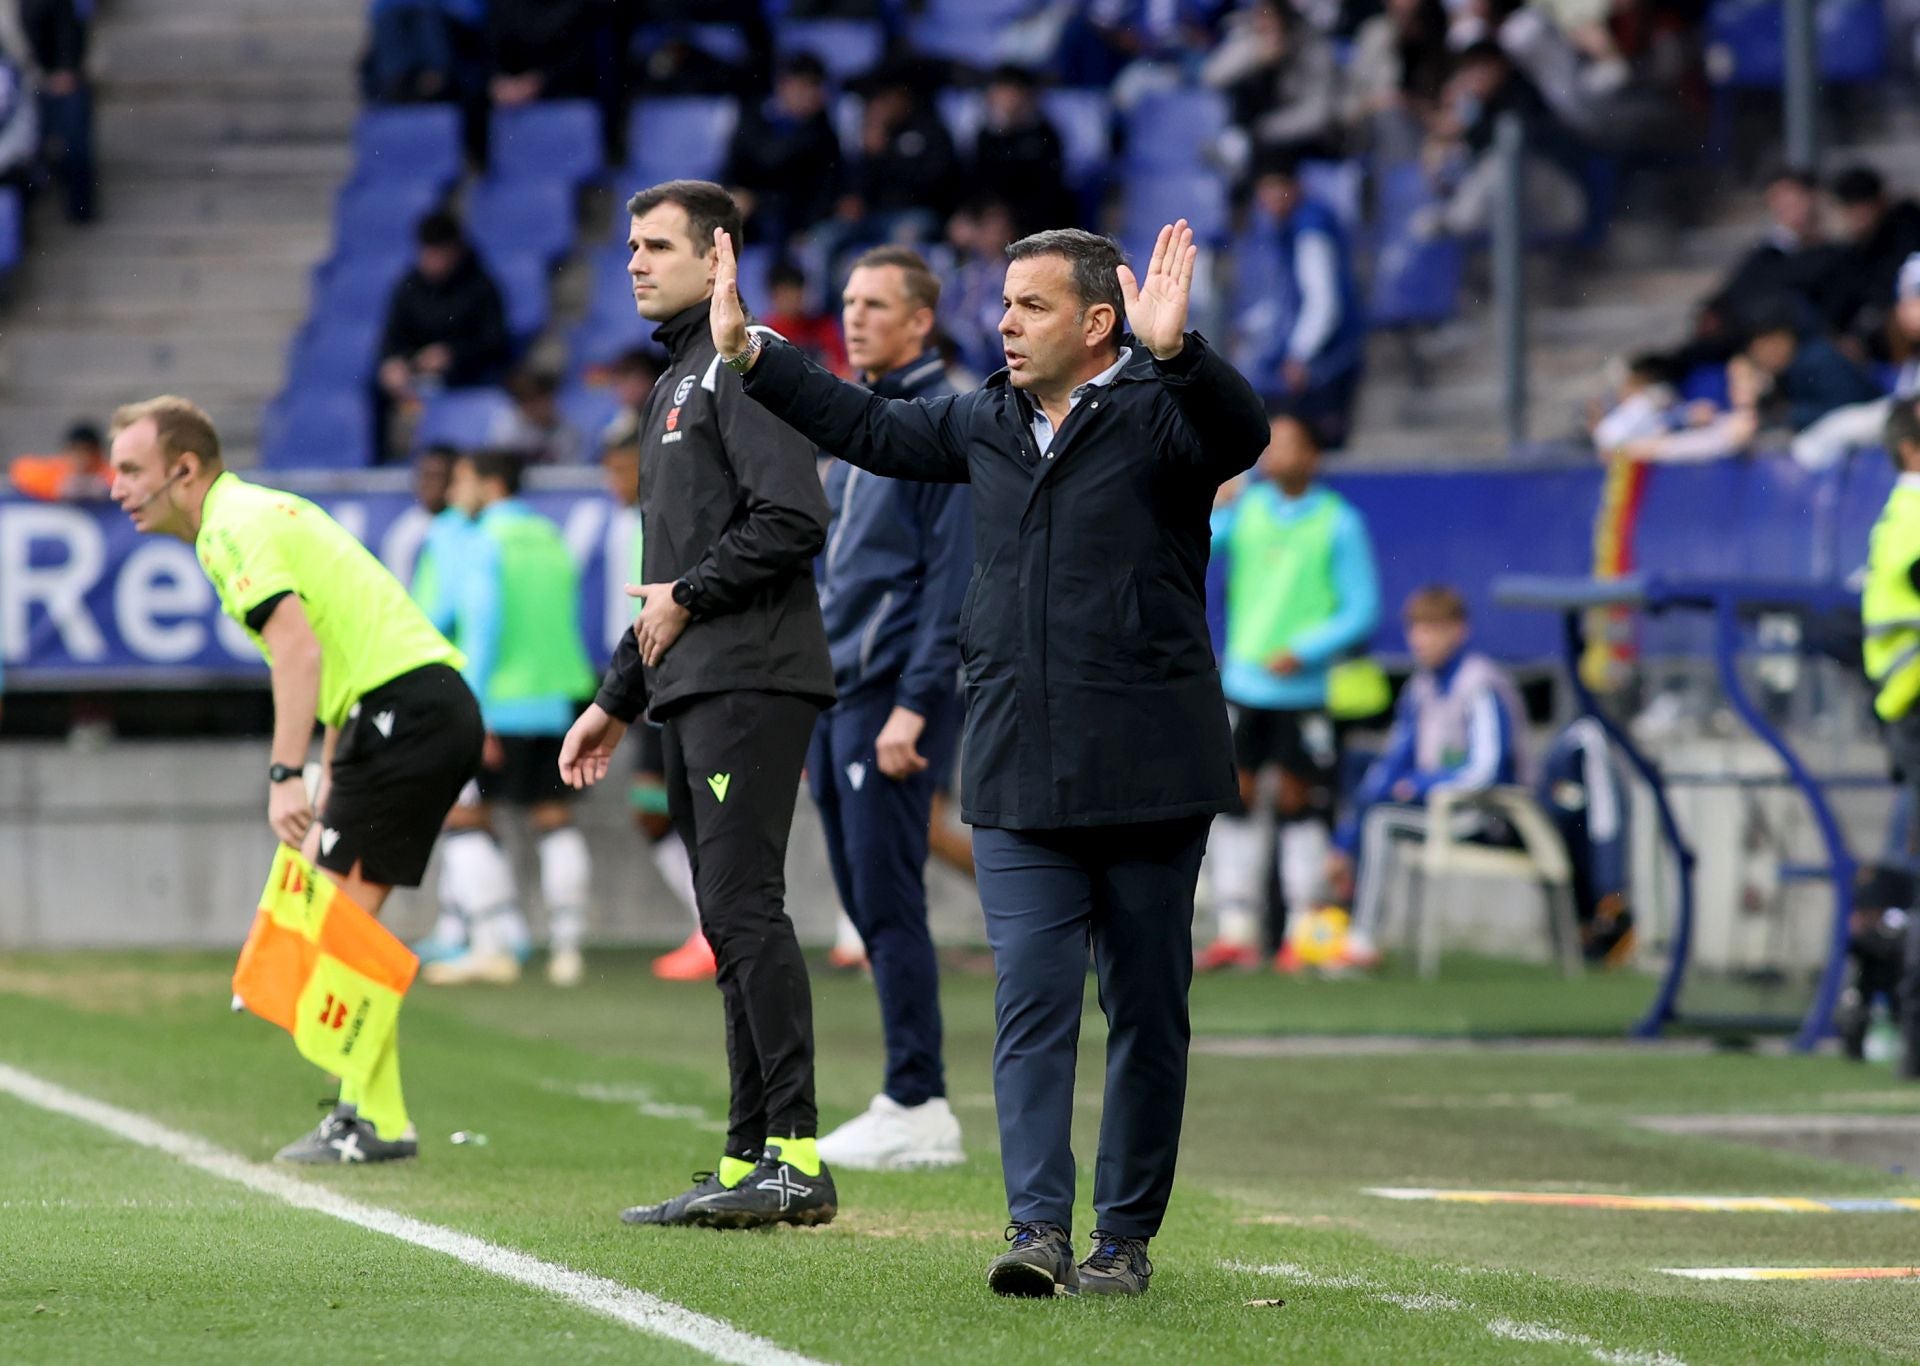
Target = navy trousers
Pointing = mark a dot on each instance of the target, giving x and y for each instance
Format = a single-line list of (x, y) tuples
[(876, 830), (1125, 895)]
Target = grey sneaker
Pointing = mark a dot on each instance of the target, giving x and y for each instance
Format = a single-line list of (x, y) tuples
[(344, 1137), (1116, 1266), (1039, 1264), (673, 1213), (774, 1192)]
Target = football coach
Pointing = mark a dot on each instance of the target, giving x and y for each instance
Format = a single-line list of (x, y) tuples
[(1096, 742)]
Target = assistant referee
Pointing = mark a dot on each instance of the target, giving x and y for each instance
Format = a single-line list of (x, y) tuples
[(346, 647)]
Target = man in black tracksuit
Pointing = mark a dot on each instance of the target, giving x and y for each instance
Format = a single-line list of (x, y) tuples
[(1096, 741), (730, 656)]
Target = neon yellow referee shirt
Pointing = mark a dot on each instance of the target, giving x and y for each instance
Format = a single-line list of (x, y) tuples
[(256, 543)]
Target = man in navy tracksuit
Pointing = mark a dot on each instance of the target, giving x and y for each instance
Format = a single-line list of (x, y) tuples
[(891, 583)]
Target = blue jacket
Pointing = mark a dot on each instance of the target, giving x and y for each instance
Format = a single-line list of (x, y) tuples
[(1275, 281), (895, 570)]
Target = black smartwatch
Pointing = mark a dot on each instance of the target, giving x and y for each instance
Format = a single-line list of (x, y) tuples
[(279, 773), (683, 593)]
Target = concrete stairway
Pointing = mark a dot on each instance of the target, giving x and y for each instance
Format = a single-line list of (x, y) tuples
[(223, 131)]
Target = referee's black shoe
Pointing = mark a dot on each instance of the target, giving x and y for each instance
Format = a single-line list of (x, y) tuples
[(673, 1213), (1116, 1266), (774, 1192), (1038, 1265)]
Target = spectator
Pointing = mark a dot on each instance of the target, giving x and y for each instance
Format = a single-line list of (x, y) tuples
[(542, 49), (1018, 156), (56, 33), (1459, 727), (19, 125), (1485, 87), (972, 294), (1281, 80), (783, 165), (1399, 65), (534, 428), (1861, 424), (78, 472), (902, 187), (1878, 236), (1627, 75), (1799, 379), (446, 326), (416, 48), (812, 331), (1791, 262), (1306, 339), (1649, 422)]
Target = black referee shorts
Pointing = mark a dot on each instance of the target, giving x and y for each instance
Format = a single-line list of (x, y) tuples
[(406, 750), (529, 772)]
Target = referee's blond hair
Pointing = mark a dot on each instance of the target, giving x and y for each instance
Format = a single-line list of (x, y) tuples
[(179, 425)]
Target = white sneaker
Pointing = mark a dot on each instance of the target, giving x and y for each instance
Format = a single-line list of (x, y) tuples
[(494, 969), (565, 967), (891, 1137)]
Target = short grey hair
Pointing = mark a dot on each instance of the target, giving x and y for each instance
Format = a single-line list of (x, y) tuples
[(1094, 259)]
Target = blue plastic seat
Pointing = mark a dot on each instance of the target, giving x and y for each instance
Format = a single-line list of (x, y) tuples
[(525, 290), (359, 284), (1416, 283), (603, 338), (678, 137), (1171, 130), (1160, 197), (846, 47), (1085, 121), (336, 351), (418, 143), (380, 215), (1746, 42), (965, 36), (13, 246), (550, 140), (318, 428), (508, 218), (589, 411), (462, 418), (723, 42)]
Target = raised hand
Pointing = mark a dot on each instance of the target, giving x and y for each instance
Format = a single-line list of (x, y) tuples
[(728, 317), (1157, 305)]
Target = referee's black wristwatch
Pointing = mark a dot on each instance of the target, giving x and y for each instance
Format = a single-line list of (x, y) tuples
[(683, 593), (279, 773)]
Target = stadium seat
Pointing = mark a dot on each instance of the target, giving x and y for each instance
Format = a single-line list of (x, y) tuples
[(12, 234), (965, 37), (1416, 283), (846, 47), (1171, 130), (1085, 121), (681, 136), (723, 42), (551, 140), (1746, 42), (380, 215), (418, 143), (603, 338), (526, 292), (359, 284), (609, 287), (589, 411), (462, 418), (318, 429), (336, 351), (507, 218), (1160, 197)]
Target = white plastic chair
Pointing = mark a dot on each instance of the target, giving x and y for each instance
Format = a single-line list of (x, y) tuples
[(1444, 861)]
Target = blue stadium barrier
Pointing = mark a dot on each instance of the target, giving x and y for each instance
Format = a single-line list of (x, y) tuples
[(509, 218), (418, 143), (463, 418), (846, 47), (675, 137), (548, 140), (318, 429)]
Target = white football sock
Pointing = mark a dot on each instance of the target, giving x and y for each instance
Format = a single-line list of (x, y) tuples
[(480, 881), (1237, 862), (676, 870), (566, 880)]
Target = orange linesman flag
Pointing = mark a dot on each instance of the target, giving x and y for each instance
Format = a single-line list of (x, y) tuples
[(324, 970)]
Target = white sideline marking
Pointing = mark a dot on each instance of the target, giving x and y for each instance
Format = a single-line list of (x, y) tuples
[(635, 1308), (1427, 1303)]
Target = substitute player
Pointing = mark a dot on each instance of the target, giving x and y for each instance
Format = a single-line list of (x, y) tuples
[(516, 615), (347, 647)]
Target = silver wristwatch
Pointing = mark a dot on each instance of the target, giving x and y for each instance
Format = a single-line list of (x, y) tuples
[(741, 363)]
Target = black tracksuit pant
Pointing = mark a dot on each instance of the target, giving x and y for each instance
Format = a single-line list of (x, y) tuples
[(733, 765)]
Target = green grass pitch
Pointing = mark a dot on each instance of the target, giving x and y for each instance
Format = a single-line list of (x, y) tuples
[(610, 1094)]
